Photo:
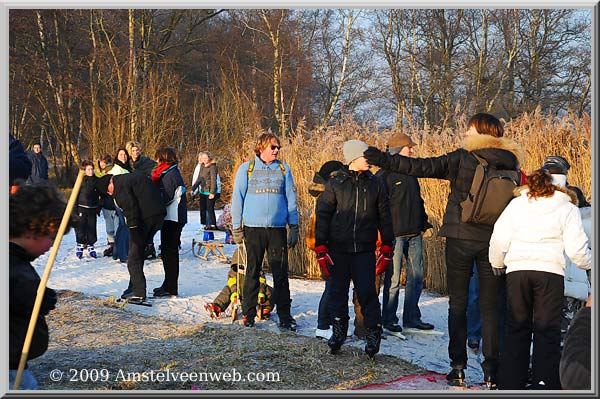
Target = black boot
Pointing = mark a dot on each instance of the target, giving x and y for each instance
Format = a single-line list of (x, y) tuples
[(373, 340), (456, 377), (490, 379), (340, 329), (149, 252), (109, 251)]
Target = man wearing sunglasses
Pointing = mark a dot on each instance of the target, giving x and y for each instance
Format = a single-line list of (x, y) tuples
[(263, 203)]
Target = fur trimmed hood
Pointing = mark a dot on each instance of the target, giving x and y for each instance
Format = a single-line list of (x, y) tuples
[(572, 195), (483, 141)]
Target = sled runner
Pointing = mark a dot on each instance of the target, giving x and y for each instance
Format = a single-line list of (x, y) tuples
[(203, 249)]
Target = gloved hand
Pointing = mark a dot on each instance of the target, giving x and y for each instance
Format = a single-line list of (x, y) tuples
[(261, 298), (238, 235), (324, 260), (498, 271), (48, 301), (375, 156), (292, 236), (384, 260)]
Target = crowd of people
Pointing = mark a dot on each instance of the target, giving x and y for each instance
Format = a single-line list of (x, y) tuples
[(510, 281)]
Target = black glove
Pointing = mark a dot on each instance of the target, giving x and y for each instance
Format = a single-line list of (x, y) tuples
[(292, 236), (498, 271), (374, 156), (238, 235), (48, 301)]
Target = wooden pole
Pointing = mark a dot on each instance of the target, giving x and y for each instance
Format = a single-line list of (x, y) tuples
[(42, 287)]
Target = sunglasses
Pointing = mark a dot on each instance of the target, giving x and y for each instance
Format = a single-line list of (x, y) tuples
[(275, 147)]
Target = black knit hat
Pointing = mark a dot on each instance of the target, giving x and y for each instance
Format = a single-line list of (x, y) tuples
[(329, 167), (556, 164), (102, 183)]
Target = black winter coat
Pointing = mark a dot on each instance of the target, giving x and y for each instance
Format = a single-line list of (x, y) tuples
[(23, 284), (88, 197), (350, 212), (39, 167), (407, 208), (143, 165), (138, 198), (458, 167)]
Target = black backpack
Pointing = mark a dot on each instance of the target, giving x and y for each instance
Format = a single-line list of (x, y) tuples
[(490, 192)]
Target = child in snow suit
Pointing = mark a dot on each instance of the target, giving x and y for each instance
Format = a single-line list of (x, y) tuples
[(229, 294), (88, 207), (350, 212), (35, 215)]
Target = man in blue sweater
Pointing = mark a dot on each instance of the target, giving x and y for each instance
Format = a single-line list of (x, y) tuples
[(263, 203)]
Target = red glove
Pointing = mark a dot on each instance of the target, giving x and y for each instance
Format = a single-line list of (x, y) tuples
[(324, 260), (384, 260)]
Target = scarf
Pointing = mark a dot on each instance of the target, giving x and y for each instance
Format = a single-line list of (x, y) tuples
[(161, 169)]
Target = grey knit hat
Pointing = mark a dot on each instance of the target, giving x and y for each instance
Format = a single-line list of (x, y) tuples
[(354, 149)]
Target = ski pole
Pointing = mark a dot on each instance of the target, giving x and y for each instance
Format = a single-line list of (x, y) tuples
[(42, 287)]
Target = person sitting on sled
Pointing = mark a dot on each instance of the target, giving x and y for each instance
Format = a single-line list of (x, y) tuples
[(229, 293)]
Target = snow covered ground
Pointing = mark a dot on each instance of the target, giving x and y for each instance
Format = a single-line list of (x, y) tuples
[(200, 282)]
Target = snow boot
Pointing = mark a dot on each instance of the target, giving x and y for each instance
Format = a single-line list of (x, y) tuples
[(456, 377), (248, 322), (213, 310), (79, 251), (92, 252), (373, 340), (150, 252), (287, 323), (340, 329), (109, 251)]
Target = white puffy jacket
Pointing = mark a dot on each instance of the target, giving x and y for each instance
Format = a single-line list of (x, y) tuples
[(577, 284), (536, 234)]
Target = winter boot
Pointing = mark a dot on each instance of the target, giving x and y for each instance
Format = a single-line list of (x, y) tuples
[(287, 323), (79, 251), (373, 340), (109, 251), (92, 252), (456, 376), (340, 329), (248, 322), (213, 310), (150, 252)]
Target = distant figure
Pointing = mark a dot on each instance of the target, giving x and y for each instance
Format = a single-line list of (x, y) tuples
[(88, 207), (111, 219), (207, 184), (39, 165), (19, 164)]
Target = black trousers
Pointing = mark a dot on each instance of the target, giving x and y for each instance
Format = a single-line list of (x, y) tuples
[(360, 268), (460, 255), (138, 237), (535, 301), (169, 246), (207, 209), (85, 232), (274, 242)]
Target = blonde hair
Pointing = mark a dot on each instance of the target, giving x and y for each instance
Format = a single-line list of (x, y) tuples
[(132, 143)]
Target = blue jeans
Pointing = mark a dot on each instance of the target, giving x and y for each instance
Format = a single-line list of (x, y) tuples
[(410, 248), (473, 315), (111, 221), (28, 380)]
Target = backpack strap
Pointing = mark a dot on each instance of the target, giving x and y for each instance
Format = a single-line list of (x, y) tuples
[(480, 159), (251, 168)]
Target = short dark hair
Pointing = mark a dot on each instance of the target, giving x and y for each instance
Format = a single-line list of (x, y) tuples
[(85, 163), (37, 208), (166, 155), (487, 124)]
